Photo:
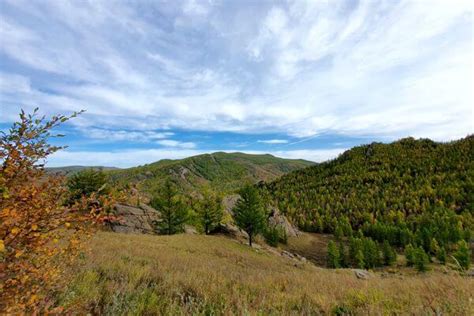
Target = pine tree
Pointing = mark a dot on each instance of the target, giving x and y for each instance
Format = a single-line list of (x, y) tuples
[(371, 253), (389, 255), (359, 259), (420, 259), (343, 260), (410, 255), (174, 213), (86, 182), (463, 255), (333, 258), (249, 212), (338, 232), (209, 210)]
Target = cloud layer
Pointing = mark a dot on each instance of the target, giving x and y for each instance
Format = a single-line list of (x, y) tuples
[(299, 69)]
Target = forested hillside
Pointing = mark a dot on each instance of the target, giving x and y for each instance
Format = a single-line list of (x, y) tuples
[(409, 191), (223, 172)]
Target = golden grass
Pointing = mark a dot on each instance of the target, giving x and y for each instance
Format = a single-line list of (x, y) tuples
[(196, 274)]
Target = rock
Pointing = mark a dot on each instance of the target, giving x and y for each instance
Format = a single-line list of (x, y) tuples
[(287, 254), (190, 230), (361, 274), (231, 230), (132, 219), (229, 202), (470, 273), (278, 219)]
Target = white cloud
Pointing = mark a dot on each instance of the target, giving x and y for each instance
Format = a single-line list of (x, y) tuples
[(273, 141), (175, 143), (367, 68), (124, 135)]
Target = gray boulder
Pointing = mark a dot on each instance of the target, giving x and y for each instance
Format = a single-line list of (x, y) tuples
[(133, 219)]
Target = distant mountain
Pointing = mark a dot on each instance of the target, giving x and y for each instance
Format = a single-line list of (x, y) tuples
[(67, 170), (224, 172)]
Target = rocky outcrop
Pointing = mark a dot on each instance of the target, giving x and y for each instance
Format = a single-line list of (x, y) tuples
[(277, 219), (361, 274), (132, 219)]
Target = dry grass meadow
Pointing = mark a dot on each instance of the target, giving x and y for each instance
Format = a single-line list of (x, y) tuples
[(214, 275)]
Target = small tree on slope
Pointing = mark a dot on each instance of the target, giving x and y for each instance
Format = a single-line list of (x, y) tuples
[(333, 259), (173, 211), (249, 213), (463, 255), (210, 212)]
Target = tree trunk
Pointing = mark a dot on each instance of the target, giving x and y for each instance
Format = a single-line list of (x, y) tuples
[(250, 239)]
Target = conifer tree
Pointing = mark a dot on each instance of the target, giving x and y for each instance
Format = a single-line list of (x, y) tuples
[(463, 255), (343, 260), (359, 259), (174, 213), (410, 255), (338, 232), (371, 253), (420, 259), (210, 211), (249, 212), (333, 259), (389, 255)]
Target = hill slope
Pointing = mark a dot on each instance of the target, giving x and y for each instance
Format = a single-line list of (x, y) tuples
[(409, 190), (211, 275), (221, 171), (68, 170)]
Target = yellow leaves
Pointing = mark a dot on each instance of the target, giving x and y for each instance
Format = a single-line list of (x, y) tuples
[(33, 298), (34, 227), (55, 240), (15, 230), (2, 245), (67, 225), (18, 254)]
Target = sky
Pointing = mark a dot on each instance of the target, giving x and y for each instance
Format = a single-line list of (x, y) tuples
[(296, 79)]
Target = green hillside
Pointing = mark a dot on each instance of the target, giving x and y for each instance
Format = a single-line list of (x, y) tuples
[(409, 191), (224, 172)]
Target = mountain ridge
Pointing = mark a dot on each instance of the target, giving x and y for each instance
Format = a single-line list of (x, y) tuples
[(221, 171)]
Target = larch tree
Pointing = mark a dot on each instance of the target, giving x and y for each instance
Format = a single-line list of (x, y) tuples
[(173, 211), (249, 212)]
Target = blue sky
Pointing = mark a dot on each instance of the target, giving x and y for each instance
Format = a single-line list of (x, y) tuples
[(297, 79)]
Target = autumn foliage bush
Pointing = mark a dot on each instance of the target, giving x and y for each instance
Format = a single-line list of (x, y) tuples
[(37, 232)]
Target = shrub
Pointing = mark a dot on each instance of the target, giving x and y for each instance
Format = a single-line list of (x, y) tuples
[(441, 255)]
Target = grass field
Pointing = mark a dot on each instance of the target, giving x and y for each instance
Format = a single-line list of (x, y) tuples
[(211, 275)]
